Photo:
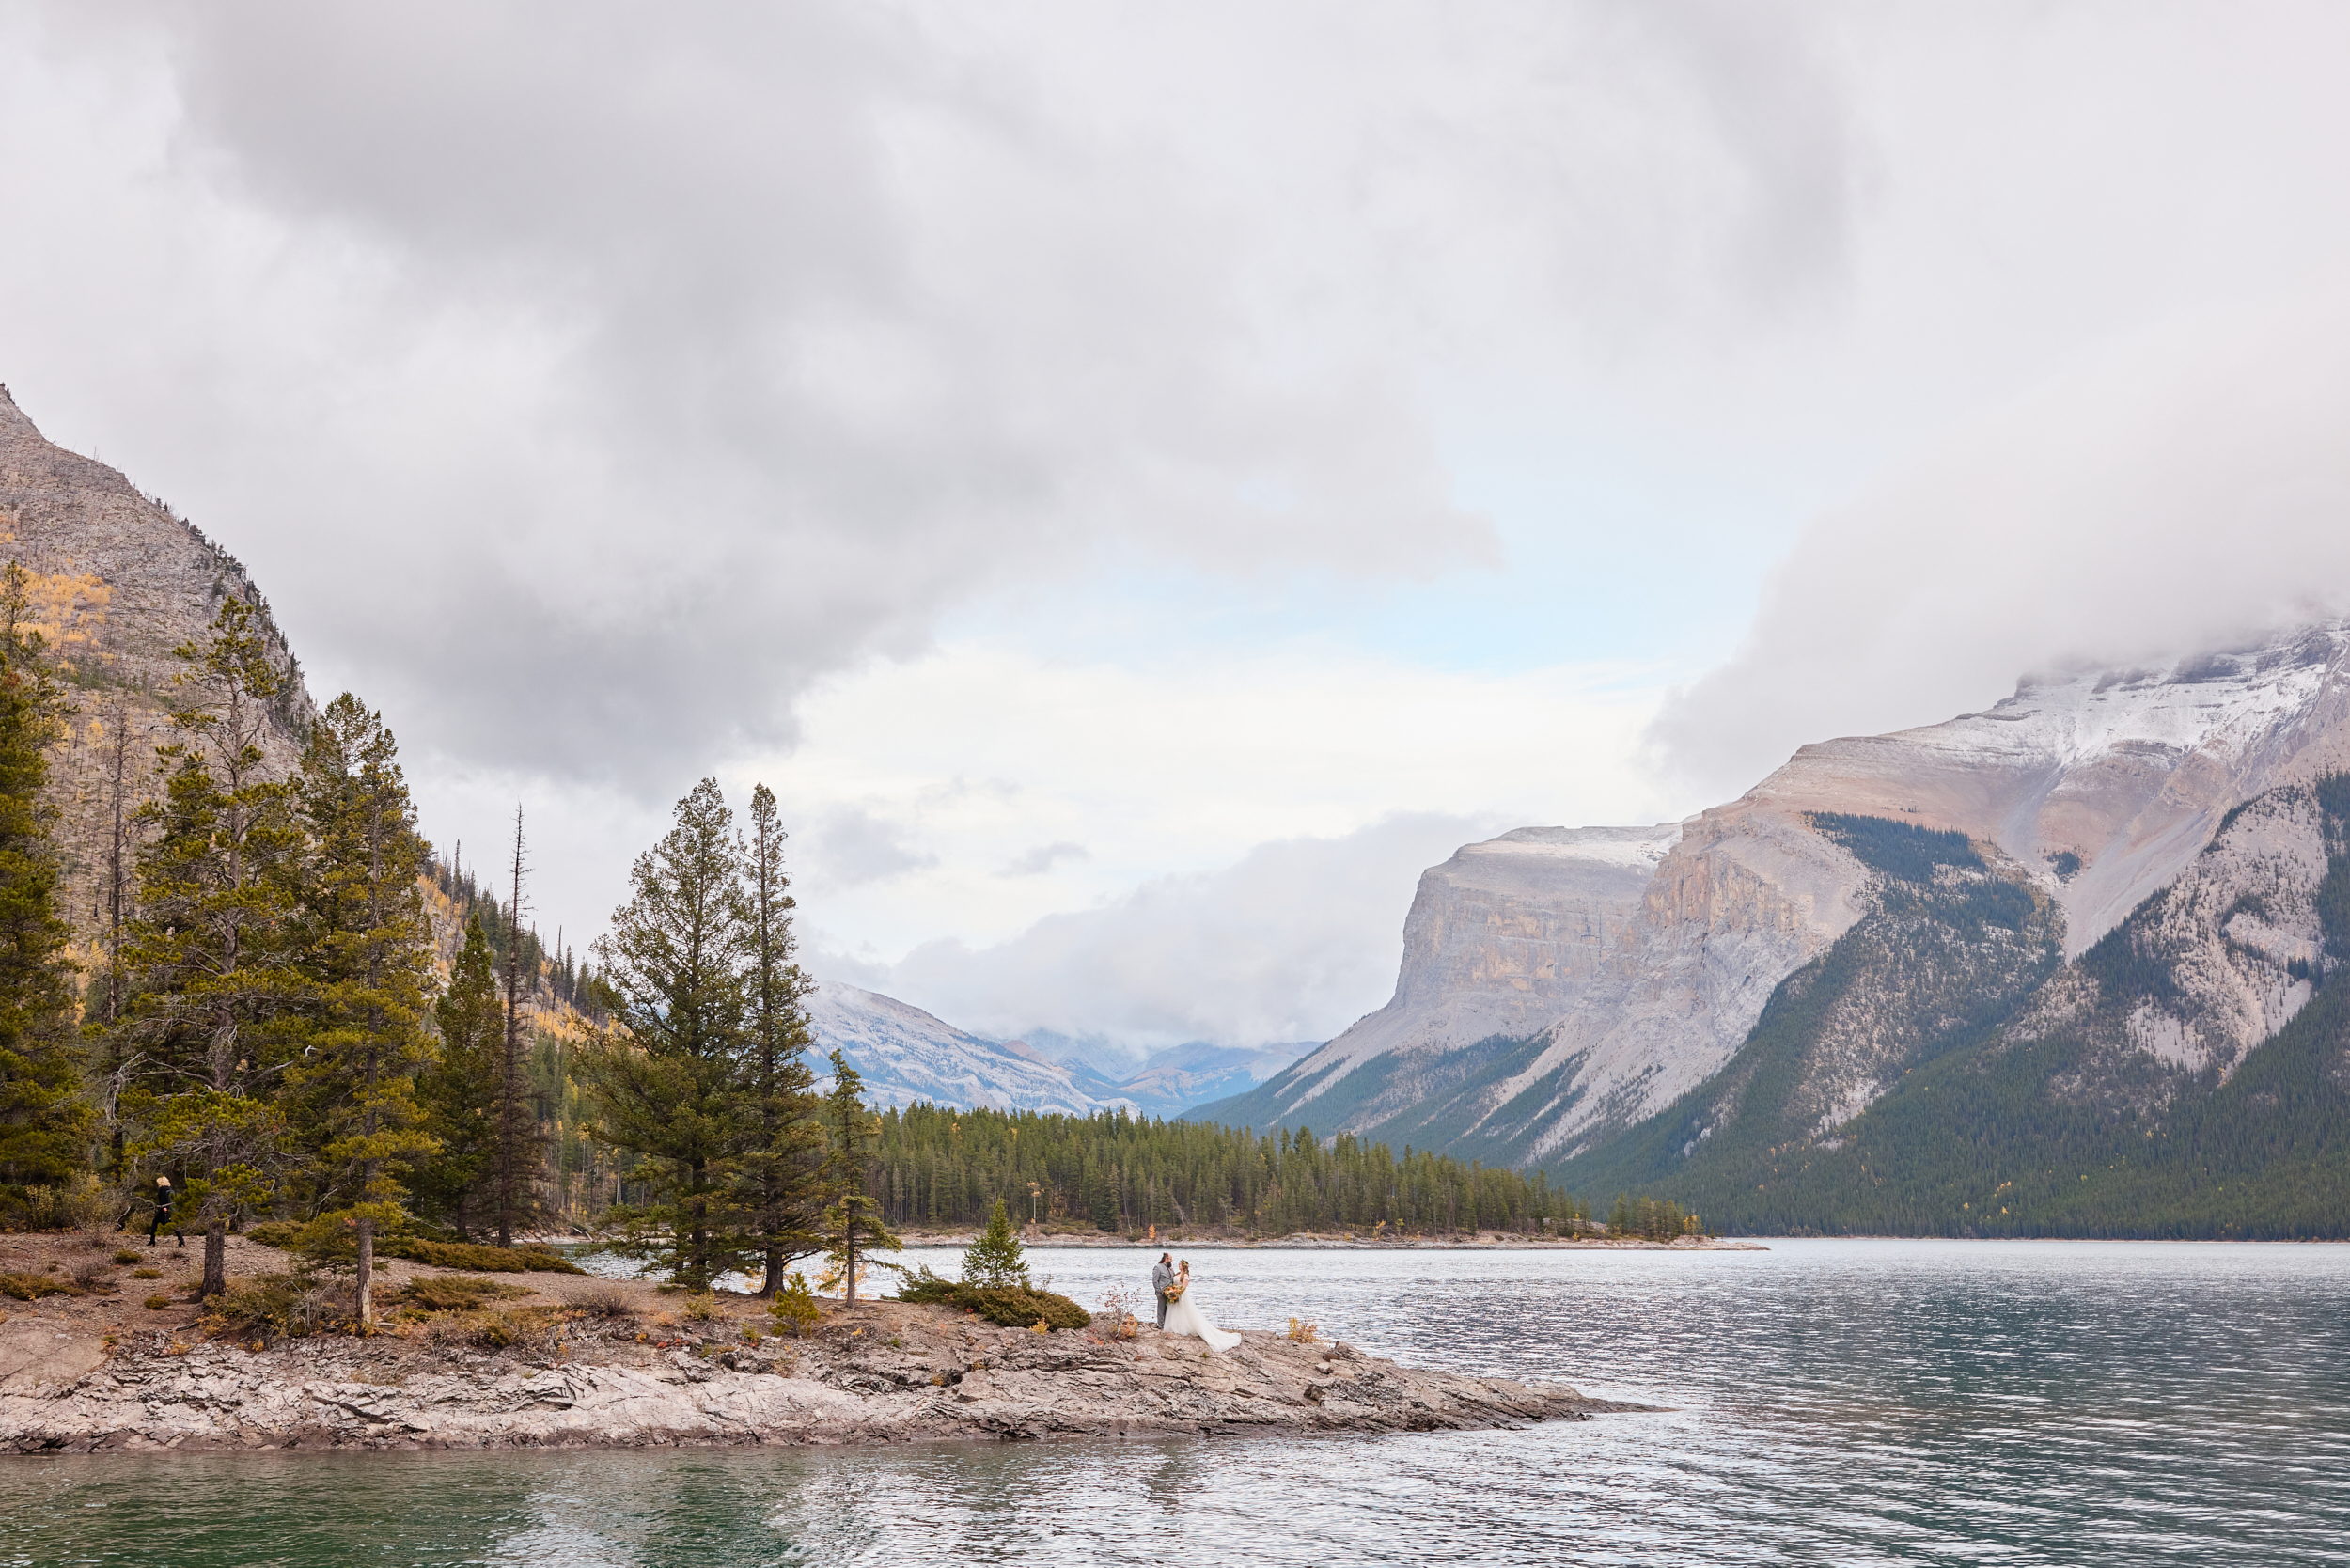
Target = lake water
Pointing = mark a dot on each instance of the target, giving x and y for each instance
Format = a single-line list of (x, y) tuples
[(1875, 1402)]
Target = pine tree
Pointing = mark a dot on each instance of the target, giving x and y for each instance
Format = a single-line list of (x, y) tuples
[(459, 1092), (367, 967), (213, 949), (853, 1225), (519, 1144), (996, 1257), (44, 1121), (668, 1083), (109, 995), (779, 1172)]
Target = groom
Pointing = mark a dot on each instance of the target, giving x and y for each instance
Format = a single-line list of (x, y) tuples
[(1163, 1280)]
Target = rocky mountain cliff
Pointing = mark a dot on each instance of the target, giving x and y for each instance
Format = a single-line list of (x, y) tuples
[(1561, 988), (118, 581)]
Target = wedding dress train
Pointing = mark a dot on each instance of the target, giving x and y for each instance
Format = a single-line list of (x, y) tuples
[(1184, 1318)]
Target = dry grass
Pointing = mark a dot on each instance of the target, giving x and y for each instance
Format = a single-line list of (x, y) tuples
[(31, 1287), (606, 1298)]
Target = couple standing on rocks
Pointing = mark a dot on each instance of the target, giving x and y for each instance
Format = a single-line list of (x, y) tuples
[(1172, 1283)]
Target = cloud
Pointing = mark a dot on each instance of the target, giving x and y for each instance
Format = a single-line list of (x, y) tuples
[(1293, 941), (1042, 858), (2185, 490), (852, 848), (663, 361)]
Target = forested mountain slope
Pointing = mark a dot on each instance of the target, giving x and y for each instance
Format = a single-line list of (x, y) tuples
[(2187, 1076)]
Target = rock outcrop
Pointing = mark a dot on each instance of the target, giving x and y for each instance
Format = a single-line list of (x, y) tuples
[(570, 1360), (2236, 941)]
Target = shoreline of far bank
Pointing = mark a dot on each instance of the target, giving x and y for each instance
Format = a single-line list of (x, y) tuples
[(1316, 1241)]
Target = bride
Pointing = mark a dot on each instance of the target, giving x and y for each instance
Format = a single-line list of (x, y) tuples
[(1185, 1318)]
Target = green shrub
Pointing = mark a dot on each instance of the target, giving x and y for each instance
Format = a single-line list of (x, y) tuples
[(1007, 1305), (453, 1292), (332, 1241), (126, 1256), (276, 1307), (489, 1259), (158, 1303), (795, 1308)]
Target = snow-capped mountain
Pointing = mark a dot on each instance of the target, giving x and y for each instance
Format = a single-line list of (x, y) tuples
[(1559, 985), (906, 1055)]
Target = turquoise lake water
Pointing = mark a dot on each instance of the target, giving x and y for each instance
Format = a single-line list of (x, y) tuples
[(1866, 1402)]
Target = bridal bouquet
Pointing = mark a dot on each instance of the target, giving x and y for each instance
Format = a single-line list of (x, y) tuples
[(1175, 1291)]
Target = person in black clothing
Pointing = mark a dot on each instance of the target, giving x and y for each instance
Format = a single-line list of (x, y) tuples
[(162, 1212)]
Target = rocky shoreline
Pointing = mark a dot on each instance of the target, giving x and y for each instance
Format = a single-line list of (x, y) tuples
[(581, 1362)]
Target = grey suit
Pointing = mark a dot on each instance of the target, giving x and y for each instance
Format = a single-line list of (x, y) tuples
[(1161, 1280)]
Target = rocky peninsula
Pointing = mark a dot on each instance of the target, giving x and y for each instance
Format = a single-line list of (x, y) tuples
[(544, 1359)]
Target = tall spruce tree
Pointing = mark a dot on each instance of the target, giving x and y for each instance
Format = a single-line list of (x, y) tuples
[(668, 1083), (44, 1121), (779, 1172), (367, 967), (460, 1093), (214, 947), (853, 1225)]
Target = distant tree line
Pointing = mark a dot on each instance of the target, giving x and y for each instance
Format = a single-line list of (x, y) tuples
[(1119, 1172)]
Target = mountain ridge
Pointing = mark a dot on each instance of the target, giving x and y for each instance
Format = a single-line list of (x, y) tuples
[(2093, 789)]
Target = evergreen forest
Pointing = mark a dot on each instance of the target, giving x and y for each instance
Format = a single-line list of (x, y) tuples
[(1113, 1172)]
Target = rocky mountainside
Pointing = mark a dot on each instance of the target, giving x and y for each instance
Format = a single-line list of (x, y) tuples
[(905, 1056), (1562, 988), (2188, 1075), (117, 581)]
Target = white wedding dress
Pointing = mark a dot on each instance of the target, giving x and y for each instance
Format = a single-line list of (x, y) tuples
[(1184, 1318)]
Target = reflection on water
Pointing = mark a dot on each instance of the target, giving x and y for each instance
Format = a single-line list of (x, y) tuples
[(1833, 1401)]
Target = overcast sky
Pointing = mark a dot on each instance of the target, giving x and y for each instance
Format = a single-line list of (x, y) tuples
[(1142, 482)]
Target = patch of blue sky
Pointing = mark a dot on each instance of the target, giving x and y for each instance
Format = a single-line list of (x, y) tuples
[(1645, 561)]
